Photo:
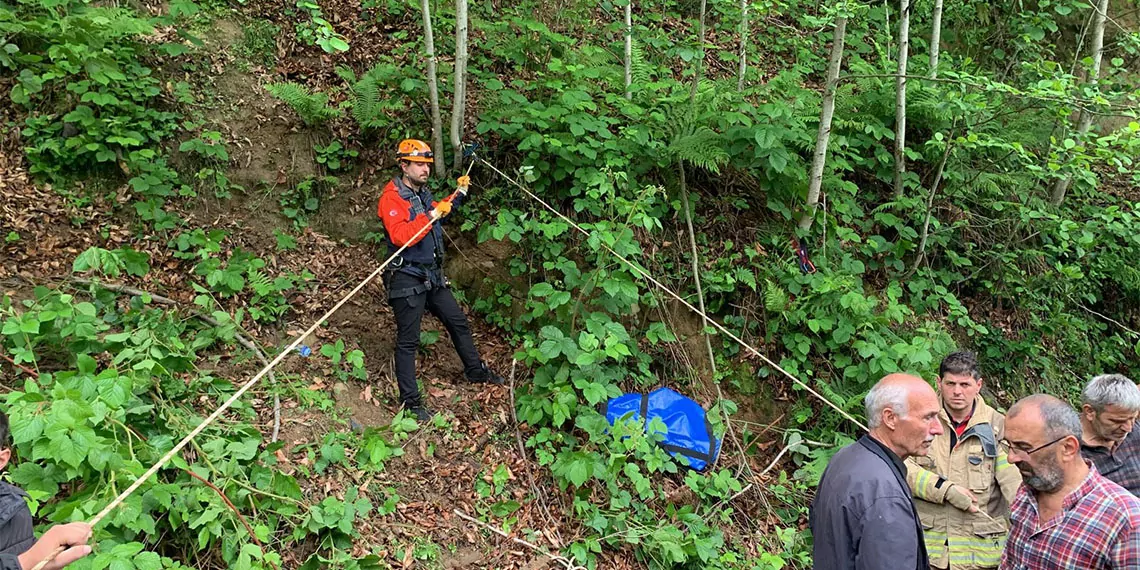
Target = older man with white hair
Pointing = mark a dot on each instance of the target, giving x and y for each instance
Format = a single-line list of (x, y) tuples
[(1109, 406), (863, 516)]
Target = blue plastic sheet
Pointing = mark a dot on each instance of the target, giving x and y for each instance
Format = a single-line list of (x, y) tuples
[(689, 434)]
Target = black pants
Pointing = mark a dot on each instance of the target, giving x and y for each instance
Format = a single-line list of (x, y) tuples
[(409, 313)]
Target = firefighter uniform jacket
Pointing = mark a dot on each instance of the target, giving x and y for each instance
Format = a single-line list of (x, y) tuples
[(954, 538)]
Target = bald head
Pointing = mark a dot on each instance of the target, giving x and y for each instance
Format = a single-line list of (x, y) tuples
[(902, 413), (1051, 415)]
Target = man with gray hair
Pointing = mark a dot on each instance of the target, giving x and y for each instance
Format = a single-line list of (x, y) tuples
[(1109, 406), (1066, 515), (863, 516)]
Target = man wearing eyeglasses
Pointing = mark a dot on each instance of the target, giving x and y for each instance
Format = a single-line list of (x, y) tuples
[(863, 515), (965, 472), (415, 280), (1066, 515), (1109, 406)]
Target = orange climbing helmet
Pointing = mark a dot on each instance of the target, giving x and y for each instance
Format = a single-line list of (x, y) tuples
[(414, 150)]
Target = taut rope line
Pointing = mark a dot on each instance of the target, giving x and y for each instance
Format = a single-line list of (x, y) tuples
[(645, 274), (296, 342)]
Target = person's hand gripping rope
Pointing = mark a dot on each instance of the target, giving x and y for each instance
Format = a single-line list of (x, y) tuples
[(463, 184)]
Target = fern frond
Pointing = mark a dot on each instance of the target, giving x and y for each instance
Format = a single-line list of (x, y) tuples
[(346, 73), (366, 99), (775, 298), (640, 69), (313, 108), (704, 148)]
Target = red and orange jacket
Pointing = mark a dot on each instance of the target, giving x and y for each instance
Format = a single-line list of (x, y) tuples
[(405, 212)]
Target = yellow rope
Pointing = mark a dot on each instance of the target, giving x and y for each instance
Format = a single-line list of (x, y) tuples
[(645, 274), (296, 342)]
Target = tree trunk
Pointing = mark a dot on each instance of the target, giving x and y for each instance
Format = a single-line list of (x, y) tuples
[(685, 198), (700, 55), (743, 45), (696, 265), (825, 115), (1085, 121), (935, 38), (900, 98), (459, 100), (930, 202), (628, 48), (433, 92)]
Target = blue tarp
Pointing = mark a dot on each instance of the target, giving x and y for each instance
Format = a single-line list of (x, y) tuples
[(689, 433)]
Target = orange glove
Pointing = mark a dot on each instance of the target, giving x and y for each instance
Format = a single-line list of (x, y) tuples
[(463, 181), (442, 209)]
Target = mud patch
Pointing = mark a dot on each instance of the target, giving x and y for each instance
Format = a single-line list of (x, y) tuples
[(463, 558), (268, 149), (349, 213)]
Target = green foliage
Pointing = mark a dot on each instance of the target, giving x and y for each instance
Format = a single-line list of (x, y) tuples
[(94, 101), (317, 30), (334, 515), (211, 150), (876, 305), (345, 363), (236, 273), (259, 42), (207, 145), (121, 391), (1045, 294), (313, 108), (93, 423), (334, 156), (112, 263), (298, 202)]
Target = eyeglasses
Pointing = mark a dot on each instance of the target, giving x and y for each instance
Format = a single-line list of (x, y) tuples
[(1012, 447)]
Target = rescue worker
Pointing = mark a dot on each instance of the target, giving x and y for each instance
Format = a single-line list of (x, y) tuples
[(965, 471), (415, 280)]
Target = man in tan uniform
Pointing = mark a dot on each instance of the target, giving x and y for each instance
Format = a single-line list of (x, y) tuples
[(965, 472)]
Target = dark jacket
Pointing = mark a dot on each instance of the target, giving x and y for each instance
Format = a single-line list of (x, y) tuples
[(863, 517), (16, 534), (10, 562)]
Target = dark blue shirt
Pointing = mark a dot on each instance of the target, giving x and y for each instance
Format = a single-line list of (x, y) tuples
[(1120, 465)]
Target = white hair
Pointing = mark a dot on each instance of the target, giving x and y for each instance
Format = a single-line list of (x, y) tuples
[(1111, 389), (881, 397)]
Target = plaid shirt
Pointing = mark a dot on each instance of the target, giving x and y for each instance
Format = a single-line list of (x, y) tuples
[(1120, 465), (1098, 528)]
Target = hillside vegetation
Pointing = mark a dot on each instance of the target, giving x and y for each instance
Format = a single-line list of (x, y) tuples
[(186, 186)]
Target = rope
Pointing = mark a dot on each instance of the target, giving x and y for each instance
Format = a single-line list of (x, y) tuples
[(645, 274), (296, 342)]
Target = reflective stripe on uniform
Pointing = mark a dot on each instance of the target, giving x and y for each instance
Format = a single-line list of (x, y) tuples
[(923, 480), (1002, 462), (976, 551), (935, 543)]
